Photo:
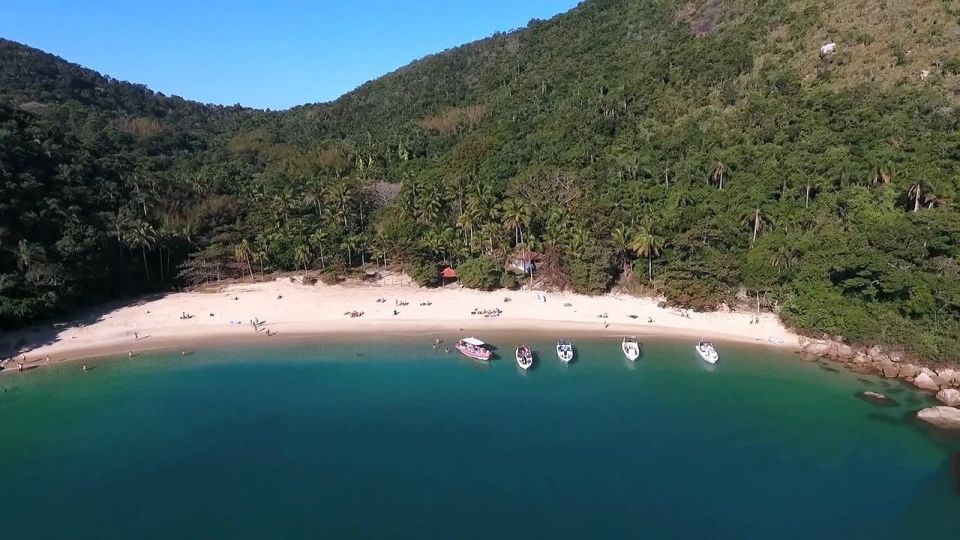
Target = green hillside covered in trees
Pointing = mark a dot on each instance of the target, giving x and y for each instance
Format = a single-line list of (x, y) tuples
[(705, 150)]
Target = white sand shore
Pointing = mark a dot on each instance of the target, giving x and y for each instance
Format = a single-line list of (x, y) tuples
[(292, 309)]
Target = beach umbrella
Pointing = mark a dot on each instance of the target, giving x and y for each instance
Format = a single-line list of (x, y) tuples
[(448, 273)]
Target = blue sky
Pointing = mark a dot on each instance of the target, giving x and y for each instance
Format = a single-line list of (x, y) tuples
[(259, 54)]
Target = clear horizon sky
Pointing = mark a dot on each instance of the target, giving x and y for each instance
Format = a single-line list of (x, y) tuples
[(258, 54)]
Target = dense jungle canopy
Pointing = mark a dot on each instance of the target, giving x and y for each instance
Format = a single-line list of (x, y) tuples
[(702, 150)]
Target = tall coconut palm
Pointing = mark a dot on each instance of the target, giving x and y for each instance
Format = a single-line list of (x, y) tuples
[(261, 258), (648, 244), (756, 220), (350, 244), (578, 241), (302, 255), (718, 174), (467, 222), (142, 235), (782, 259), (915, 193), (516, 216), (242, 252), (342, 195), (317, 239), (621, 238), (28, 254)]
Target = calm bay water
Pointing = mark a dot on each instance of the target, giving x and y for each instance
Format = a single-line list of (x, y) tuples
[(313, 441)]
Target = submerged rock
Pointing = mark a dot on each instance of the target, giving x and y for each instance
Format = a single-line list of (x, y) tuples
[(925, 382), (949, 397), (941, 417), (877, 399)]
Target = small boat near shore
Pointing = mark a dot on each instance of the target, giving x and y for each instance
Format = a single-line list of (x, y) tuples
[(565, 351), (707, 351), (473, 348), (524, 357), (631, 348)]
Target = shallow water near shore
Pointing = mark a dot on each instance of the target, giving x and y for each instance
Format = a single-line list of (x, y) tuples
[(376, 440)]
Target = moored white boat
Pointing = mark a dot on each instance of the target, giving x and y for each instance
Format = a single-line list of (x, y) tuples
[(631, 348), (565, 351), (474, 348), (524, 357), (706, 351)]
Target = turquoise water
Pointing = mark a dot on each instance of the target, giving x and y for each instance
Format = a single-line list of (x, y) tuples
[(314, 441)]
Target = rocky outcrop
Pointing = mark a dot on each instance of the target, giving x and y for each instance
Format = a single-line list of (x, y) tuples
[(888, 363), (909, 370), (890, 370), (949, 397), (949, 376), (941, 417), (818, 348), (925, 381)]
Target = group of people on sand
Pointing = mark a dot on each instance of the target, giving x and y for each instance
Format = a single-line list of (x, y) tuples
[(354, 314), (489, 313), (754, 320), (256, 323)]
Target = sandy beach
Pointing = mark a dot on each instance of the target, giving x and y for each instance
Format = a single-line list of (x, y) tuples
[(287, 308)]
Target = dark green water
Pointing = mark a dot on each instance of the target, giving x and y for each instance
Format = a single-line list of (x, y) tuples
[(313, 442)]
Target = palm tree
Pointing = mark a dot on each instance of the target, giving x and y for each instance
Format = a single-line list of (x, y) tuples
[(621, 238), (428, 203), (28, 254), (302, 255), (645, 242), (317, 239), (142, 236), (718, 174), (552, 234), (433, 243), (242, 252), (341, 192), (782, 259), (756, 220), (916, 194), (578, 241), (261, 258), (516, 216), (350, 244)]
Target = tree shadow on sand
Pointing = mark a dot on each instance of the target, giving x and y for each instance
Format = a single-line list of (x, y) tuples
[(30, 338)]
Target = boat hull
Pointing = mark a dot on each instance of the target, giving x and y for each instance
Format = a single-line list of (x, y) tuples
[(706, 356), (474, 355), (524, 359)]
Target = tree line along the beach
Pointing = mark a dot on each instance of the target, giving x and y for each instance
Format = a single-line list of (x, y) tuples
[(696, 150)]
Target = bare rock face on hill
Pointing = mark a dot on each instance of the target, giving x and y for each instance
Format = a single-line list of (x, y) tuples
[(949, 397), (941, 417)]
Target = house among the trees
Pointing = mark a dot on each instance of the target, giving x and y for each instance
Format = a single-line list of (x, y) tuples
[(524, 260)]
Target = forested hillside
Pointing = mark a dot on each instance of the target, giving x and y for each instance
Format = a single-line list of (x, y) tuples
[(704, 150)]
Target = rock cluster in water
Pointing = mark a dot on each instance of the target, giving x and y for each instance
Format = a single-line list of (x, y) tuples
[(890, 364)]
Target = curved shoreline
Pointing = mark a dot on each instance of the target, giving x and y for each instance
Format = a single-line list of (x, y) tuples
[(290, 310)]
